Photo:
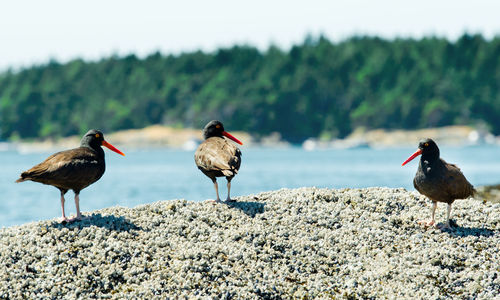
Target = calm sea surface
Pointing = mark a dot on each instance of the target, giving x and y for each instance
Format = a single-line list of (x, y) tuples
[(148, 176)]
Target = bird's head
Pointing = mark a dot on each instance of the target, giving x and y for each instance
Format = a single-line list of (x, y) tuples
[(427, 148), (216, 129), (94, 139)]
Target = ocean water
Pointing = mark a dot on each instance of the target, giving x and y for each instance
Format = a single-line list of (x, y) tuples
[(162, 174)]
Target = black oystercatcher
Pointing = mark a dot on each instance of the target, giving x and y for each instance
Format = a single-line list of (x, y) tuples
[(73, 169), (438, 180), (217, 157)]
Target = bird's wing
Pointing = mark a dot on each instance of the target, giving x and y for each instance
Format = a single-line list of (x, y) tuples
[(456, 183), (217, 154), (65, 166)]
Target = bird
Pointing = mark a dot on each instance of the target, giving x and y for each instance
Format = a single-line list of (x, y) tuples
[(217, 157), (73, 169), (438, 180)]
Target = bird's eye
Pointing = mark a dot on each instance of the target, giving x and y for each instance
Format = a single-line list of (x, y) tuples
[(426, 145), (217, 126), (97, 135)]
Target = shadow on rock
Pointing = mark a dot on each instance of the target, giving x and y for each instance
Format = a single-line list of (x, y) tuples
[(110, 222), (459, 231), (250, 208)]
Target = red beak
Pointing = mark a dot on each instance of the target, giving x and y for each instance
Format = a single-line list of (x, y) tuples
[(226, 134), (417, 153), (111, 147)]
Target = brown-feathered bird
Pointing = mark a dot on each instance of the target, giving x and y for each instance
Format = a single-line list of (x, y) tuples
[(73, 169), (217, 157), (438, 180)]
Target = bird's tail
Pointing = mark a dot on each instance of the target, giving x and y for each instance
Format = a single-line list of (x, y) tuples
[(229, 173), (22, 178)]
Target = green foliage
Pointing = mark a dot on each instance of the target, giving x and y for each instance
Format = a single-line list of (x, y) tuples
[(318, 88)]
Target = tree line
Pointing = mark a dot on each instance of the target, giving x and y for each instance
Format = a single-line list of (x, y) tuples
[(315, 89)]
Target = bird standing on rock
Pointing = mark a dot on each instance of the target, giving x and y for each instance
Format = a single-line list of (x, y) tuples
[(73, 169), (217, 157), (438, 180)]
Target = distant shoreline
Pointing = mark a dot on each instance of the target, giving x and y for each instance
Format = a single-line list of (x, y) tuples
[(382, 138), (158, 136)]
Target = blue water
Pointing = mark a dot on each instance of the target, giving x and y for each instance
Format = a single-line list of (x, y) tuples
[(148, 176)]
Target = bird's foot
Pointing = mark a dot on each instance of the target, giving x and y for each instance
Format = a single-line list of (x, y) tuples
[(214, 201), (445, 226), (78, 218), (230, 200), (427, 223), (63, 220)]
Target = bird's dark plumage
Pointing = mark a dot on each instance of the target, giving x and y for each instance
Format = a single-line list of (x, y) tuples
[(73, 169), (442, 182), (216, 156), (437, 179)]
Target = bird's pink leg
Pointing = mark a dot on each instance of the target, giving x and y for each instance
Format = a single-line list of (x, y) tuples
[(216, 186), (63, 218), (432, 222), (447, 225), (216, 190), (78, 214), (228, 191)]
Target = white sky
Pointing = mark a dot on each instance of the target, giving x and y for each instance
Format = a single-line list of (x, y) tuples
[(34, 31)]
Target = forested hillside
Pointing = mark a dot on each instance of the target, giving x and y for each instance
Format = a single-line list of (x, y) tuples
[(318, 88)]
